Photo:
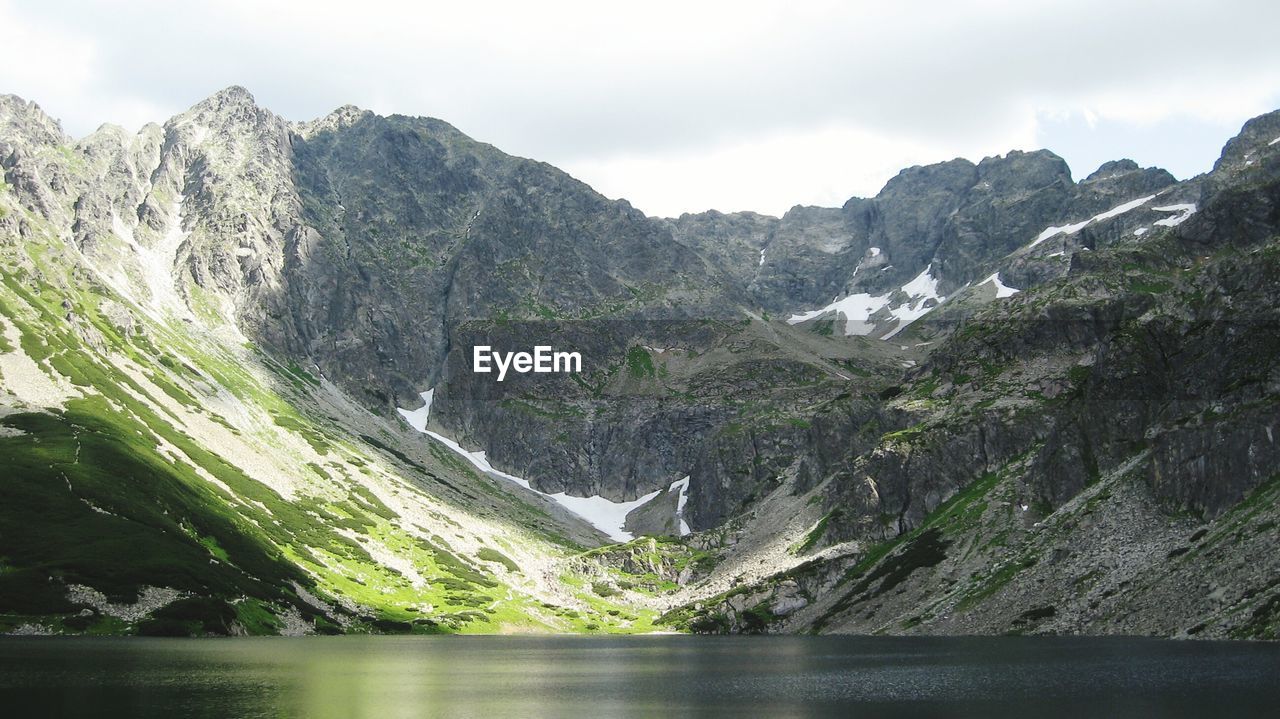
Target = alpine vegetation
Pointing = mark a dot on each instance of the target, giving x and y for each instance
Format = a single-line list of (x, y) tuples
[(990, 399)]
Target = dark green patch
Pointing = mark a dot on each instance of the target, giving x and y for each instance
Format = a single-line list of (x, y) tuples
[(819, 530), (639, 363), (488, 554), (193, 617)]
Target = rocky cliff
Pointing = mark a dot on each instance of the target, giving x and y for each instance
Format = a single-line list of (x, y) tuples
[(989, 399)]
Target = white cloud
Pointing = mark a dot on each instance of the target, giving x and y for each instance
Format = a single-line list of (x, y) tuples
[(645, 100), (43, 64), (820, 166)]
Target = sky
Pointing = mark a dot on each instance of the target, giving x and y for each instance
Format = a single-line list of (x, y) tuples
[(690, 105)]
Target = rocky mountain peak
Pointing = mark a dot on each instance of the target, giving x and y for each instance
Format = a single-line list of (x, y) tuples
[(234, 96), (107, 138), (1112, 168), (1259, 135), (1021, 171), (954, 176), (339, 119), (24, 122), (230, 110)]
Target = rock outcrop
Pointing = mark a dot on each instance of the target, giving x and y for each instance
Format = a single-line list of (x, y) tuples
[(930, 410)]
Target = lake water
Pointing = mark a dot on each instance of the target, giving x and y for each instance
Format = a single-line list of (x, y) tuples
[(488, 677)]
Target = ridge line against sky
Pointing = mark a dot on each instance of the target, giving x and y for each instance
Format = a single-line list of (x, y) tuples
[(681, 106)]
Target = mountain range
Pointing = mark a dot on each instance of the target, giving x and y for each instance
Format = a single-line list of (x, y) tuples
[(236, 394)]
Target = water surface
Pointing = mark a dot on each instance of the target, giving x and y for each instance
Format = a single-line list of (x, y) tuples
[(489, 677)]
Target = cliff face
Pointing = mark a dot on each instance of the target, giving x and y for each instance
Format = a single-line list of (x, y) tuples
[(417, 229), (1093, 454), (171, 467), (988, 387)]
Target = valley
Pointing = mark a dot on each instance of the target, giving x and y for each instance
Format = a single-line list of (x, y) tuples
[(239, 392)]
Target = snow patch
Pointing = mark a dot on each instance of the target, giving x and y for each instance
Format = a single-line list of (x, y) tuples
[(924, 284), (921, 290), (761, 257), (855, 309), (1002, 290), (603, 514), (1074, 228), (1141, 231), (1184, 211), (858, 309), (418, 417), (1269, 144), (1121, 209), (683, 486), (872, 253), (1052, 231)]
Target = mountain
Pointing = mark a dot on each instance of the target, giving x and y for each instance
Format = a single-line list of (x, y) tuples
[(237, 392)]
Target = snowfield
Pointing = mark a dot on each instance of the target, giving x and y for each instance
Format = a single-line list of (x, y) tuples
[(1002, 290), (683, 486), (1116, 211), (603, 514), (858, 309), (1184, 211)]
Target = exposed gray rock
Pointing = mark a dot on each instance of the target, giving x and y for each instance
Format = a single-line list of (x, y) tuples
[(1138, 360)]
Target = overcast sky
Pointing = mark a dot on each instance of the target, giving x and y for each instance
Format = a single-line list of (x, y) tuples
[(689, 105)]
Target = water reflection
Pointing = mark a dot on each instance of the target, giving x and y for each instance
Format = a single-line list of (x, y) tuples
[(390, 677)]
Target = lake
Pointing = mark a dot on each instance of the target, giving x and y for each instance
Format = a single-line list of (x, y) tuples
[(487, 677)]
